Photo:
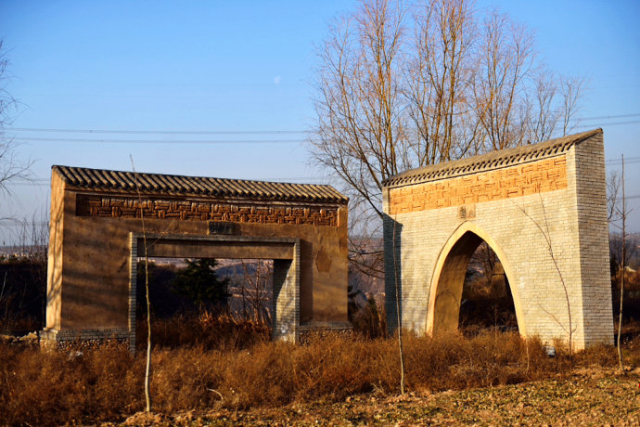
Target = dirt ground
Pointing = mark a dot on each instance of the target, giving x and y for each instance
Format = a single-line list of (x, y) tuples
[(587, 397)]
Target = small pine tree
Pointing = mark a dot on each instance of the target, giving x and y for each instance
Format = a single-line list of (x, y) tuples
[(200, 283)]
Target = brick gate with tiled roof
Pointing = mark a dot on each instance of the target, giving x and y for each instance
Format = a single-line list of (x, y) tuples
[(541, 208), (96, 235)]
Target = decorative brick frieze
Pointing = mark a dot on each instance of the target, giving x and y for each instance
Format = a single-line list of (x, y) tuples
[(515, 181), (185, 210)]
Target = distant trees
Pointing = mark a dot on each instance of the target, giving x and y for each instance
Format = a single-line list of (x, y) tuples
[(199, 282), (404, 86), (255, 283)]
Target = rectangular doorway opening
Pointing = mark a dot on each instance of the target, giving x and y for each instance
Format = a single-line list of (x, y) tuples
[(236, 284), (209, 303)]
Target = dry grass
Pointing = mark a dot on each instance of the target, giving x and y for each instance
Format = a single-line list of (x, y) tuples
[(203, 330), (238, 372), (55, 387)]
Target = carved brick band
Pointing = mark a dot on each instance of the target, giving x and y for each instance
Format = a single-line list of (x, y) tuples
[(182, 210), (515, 181)]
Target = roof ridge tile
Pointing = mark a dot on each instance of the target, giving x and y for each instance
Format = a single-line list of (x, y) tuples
[(113, 181), (491, 160)]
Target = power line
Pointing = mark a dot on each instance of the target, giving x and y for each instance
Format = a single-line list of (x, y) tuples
[(30, 180), (27, 184), (235, 132), (226, 132), (159, 132), (20, 224), (619, 116), (609, 124), (627, 160), (631, 159), (148, 141)]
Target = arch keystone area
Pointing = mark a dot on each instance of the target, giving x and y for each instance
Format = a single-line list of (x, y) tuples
[(541, 208)]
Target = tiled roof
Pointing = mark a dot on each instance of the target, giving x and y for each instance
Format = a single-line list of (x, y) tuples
[(151, 183), (490, 161)]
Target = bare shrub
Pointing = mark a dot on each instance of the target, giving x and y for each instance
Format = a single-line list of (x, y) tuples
[(56, 387), (204, 330), (370, 320), (90, 384), (632, 349)]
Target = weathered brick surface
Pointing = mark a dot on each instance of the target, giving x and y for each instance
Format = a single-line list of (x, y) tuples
[(547, 226)]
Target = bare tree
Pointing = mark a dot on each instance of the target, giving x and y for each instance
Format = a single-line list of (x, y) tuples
[(20, 293), (11, 166), (505, 53), (613, 189), (147, 372), (571, 88), (619, 212), (623, 217), (439, 82), (253, 288), (405, 85), (360, 123)]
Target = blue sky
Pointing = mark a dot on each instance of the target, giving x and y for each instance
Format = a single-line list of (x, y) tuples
[(248, 66)]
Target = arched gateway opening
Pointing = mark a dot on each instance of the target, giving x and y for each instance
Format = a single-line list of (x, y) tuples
[(451, 271), (486, 297)]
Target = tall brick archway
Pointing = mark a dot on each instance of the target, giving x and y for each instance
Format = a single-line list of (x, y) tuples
[(541, 208)]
